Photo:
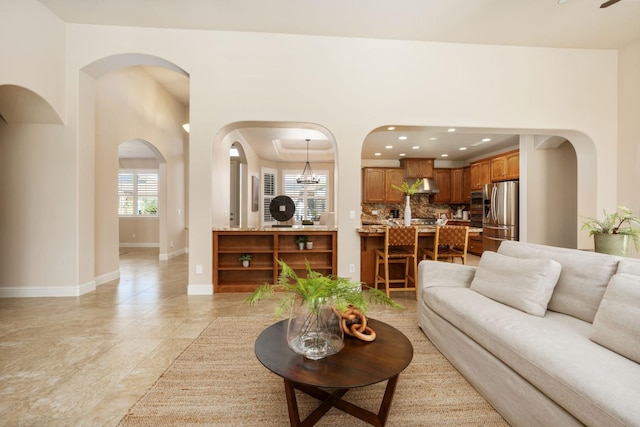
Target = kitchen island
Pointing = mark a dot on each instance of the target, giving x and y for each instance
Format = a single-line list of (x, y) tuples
[(266, 245), (372, 238)]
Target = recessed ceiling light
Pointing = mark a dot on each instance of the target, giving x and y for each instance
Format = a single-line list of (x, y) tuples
[(462, 148), (486, 139), (388, 146), (402, 154), (391, 128), (451, 130), (416, 147), (433, 138), (402, 138), (444, 155), (377, 154)]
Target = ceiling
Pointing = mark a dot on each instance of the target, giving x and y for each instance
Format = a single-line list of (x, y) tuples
[(545, 23), (580, 24)]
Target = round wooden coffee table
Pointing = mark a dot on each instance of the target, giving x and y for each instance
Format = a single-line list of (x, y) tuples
[(358, 364)]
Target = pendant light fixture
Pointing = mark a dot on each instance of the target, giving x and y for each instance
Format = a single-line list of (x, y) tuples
[(307, 176)]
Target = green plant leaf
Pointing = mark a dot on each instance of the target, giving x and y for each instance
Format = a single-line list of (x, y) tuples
[(316, 289)]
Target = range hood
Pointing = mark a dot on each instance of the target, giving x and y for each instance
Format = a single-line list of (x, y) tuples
[(428, 186)]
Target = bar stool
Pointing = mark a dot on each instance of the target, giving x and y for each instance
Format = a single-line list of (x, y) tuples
[(400, 247), (450, 242)]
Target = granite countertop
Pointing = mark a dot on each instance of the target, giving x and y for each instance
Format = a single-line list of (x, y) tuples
[(422, 229), (294, 228)]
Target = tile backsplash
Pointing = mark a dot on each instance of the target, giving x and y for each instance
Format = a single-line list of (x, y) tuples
[(420, 208)]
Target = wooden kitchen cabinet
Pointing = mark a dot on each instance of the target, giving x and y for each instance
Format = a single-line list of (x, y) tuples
[(460, 185), (394, 177), (475, 245), (505, 167), (378, 185), (418, 168), (480, 174), (466, 184), (443, 180)]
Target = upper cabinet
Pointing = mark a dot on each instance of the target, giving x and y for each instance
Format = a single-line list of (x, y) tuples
[(378, 185), (505, 166), (443, 179), (466, 184), (460, 185), (417, 168), (480, 174)]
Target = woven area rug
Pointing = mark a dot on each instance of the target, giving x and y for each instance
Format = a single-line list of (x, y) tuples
[(217, 381)]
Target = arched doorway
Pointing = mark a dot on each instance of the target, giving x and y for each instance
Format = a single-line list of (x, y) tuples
[(274, 151), (130, 97)]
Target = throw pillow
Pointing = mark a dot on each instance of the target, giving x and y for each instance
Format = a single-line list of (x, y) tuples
[(583, 279), (617, 322), (522, 283)]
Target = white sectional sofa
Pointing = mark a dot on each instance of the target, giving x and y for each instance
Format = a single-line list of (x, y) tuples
[(549, 336)]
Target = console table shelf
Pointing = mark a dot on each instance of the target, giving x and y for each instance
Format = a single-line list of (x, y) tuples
[(267, 247)]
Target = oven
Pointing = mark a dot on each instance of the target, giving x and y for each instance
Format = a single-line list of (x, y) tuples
[(476, 209)]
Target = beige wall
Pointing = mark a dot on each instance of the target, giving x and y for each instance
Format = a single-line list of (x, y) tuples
[(550, 194), (139, 232), (354, 86), (628, 173)]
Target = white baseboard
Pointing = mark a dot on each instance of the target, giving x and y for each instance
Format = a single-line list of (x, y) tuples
[(140, 245), (101, 280), (200, 289), (166, 257), (47, 291)]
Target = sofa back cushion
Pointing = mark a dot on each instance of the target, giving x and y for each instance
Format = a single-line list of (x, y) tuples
[(617, 323), (525, 284), (629, 266), (583, 279)]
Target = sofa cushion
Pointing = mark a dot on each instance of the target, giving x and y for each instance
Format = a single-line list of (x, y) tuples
[(629, 266), (617, 322), (582, 281), (554, 353), (525, 284)]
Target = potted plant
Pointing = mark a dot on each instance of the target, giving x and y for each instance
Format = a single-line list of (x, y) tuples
[(408, 190), (316, 304), (245, 258), (610, 236), (301, 240)]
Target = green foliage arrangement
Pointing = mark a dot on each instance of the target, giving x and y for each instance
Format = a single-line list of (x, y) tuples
[(316, 289), (408, 190), (613, 224), (245, 257), (301, 238)]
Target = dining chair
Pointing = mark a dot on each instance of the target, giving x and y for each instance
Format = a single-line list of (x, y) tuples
[(400, 247), (449, 242)]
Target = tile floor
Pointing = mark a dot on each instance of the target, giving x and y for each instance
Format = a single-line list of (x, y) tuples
[(86, 360)]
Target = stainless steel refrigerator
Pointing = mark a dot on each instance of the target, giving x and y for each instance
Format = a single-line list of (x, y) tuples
[(500, 217)]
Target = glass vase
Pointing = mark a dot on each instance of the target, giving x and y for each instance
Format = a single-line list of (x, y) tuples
[(314, 329)]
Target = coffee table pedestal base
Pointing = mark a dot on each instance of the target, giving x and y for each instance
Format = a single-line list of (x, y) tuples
[(334, 400)]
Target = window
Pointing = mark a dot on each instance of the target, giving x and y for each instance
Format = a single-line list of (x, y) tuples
[(310, 199), (138, 193), (268, 194)]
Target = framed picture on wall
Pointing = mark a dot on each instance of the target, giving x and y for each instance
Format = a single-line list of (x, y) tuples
[(255, 193)]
